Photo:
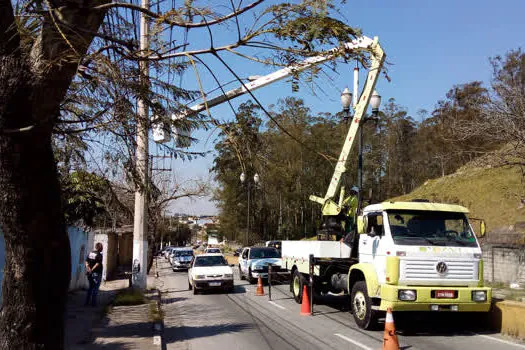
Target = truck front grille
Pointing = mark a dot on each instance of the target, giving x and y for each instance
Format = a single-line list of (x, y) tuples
[(460, 270)]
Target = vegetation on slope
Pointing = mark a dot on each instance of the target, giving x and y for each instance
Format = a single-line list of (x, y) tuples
[(495, 194)]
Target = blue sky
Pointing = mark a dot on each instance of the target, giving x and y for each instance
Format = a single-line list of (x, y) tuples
[(431, 45)]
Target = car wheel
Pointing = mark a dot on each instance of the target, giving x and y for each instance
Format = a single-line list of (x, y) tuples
[(195, 291), (250, 277), (361, 306), (241, 276), (296, 285), (190, 287)]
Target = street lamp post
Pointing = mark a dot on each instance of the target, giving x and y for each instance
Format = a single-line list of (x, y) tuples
[(248, 186)]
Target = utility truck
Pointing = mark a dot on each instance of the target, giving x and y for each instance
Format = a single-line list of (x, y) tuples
[(408, 256)]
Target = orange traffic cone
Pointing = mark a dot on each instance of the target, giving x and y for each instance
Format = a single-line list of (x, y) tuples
[(260, 289), (305, 303), (390, 341)]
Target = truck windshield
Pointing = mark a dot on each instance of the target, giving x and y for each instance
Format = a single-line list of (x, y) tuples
[(264, 253), (418, 227)]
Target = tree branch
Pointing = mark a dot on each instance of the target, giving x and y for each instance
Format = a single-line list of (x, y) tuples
[(176, 23)]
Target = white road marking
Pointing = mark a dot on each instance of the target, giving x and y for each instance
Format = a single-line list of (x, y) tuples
[(501, 340), (157, 340), (355, 342), (277, 305)]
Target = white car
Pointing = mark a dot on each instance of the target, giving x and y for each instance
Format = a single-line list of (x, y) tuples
[(213, 250), (253, 262), (210, 271)]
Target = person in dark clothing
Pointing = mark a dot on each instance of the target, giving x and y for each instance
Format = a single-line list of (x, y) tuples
[(94, 274)]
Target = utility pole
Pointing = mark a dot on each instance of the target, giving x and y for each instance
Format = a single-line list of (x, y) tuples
[(140, 224)]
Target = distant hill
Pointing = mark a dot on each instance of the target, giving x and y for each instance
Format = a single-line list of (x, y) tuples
[(495, 194)]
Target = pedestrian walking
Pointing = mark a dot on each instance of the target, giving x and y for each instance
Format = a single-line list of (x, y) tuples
[(94, 274)]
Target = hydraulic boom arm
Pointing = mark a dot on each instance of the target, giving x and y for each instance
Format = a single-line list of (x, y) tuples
[(377, 57), (363, 43)]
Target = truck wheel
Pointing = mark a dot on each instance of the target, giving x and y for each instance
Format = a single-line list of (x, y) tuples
[(241, 276), (361, 306), (297, 286)]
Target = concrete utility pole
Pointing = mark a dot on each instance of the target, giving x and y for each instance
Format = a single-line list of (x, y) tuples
[(140, 226)]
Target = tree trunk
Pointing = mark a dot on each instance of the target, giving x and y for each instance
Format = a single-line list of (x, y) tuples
[(37, 269), (32, 86)]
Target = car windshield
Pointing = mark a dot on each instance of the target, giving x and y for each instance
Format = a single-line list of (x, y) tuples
[(184, 253), (213, 250), (418, 227), (263, 253), (216, 260)]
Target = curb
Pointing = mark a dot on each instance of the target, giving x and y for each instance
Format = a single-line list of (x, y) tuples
[(158, 327), (506, 317)]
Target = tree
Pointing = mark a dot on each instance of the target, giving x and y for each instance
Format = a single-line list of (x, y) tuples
[(46, 51), (502, 121), (294, 154)]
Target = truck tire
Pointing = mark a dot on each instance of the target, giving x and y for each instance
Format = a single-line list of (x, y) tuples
[(241, 276), (361, 306), (296, 285)]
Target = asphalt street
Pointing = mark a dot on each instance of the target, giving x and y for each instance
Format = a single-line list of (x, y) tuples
[(241, 320)]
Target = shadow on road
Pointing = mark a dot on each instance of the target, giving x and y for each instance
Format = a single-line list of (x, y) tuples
[(176, 334), (172, 300), (415, 324)]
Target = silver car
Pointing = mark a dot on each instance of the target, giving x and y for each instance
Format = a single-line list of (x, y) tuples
[(181, 259)]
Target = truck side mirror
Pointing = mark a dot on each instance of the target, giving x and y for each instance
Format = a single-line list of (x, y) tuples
[(362, 223), (482, 229)]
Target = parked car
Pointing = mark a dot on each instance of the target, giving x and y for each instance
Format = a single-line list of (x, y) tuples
[(254, 261), (213, 251), (181, 258), (172, 254), (167, 252), (210, 271)]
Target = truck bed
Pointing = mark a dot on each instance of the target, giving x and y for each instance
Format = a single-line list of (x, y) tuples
[(320, 249)]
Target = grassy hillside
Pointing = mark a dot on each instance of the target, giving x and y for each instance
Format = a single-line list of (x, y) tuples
[(491, 193)]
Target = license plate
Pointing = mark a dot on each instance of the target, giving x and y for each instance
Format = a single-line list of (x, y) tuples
[(215, 284), (445, 294)]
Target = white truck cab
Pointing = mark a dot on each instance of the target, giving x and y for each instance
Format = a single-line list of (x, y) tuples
[(408, 256)]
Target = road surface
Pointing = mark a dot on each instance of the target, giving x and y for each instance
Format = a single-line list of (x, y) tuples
[(241, 320)]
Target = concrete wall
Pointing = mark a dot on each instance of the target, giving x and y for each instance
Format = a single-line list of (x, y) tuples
[(504, 263), (78, 238), (80, 242)]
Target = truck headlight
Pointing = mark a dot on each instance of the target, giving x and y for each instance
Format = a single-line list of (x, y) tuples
[(479, 295), (176, 262), (228, 275), (407, 295), (200, 277)]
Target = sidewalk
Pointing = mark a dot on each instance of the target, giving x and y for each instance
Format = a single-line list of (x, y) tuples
[(120, 327)]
